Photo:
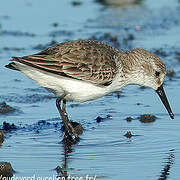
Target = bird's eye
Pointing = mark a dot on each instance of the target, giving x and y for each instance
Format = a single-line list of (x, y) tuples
[(157, 73)]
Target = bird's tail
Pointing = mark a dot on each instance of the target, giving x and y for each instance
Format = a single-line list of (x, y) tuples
[(12, 65)]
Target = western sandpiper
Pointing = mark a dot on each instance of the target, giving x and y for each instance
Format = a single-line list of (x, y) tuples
[(84, 70)]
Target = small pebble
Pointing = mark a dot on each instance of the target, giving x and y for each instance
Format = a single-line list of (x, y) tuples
[(129, 119), (128, 134), (99, 119)]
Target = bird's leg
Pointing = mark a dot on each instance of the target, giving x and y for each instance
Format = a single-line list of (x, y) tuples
[(68, 122), (69, 130)]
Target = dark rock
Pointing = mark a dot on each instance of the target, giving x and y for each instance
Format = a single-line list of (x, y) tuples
[(6, 169), (99, 119), (4, 108), (147, 118)]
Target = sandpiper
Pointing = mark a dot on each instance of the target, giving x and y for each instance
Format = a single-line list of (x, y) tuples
[(84, 70)]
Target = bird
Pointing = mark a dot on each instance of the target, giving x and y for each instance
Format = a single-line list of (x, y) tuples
[(84, 70)]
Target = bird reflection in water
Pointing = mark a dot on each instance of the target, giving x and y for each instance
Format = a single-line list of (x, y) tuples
[(68, 147), (168, 164)]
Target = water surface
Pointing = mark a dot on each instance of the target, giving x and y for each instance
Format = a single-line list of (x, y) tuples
[(153, 152)]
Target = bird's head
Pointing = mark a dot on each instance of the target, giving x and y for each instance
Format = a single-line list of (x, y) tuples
[(150, 72)]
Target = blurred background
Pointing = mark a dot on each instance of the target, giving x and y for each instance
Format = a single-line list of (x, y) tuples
[(117, 143)]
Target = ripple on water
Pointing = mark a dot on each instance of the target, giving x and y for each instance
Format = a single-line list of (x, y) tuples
[(100, 151)]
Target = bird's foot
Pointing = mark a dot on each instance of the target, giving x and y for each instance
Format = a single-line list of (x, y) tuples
[(72, 132)]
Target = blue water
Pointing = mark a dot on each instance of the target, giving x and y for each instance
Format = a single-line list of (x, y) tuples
[(103, 151)]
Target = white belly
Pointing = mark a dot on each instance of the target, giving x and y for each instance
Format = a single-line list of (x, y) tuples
[(72, 89)]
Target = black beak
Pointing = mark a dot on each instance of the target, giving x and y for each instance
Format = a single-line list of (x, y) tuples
[(162, 95)]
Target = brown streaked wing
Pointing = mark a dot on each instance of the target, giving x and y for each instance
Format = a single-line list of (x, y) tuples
[(86, 60), (40, 62)]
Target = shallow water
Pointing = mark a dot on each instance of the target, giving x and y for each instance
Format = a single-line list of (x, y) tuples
[(153, 152)]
